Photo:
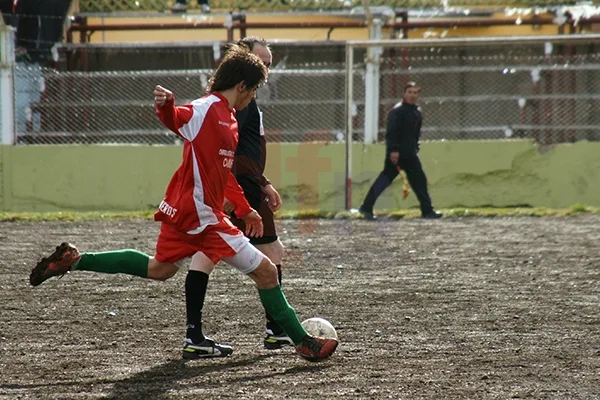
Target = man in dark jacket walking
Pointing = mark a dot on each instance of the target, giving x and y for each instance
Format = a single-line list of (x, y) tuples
[(402, 147)]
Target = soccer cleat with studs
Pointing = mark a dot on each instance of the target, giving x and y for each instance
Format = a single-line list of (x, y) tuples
[(274, 342), (206, 349), (57, 264), (367, 214), (316, 349)]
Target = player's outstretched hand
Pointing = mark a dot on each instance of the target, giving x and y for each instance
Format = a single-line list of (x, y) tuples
[(254, 225), (162, 96), (273, 198)]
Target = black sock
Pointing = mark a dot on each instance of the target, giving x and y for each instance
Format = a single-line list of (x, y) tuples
[(195, 292), (271, 324)]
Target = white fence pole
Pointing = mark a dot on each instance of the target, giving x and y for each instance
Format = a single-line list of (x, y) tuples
[(7, 92), (349, 122), (371, 123)]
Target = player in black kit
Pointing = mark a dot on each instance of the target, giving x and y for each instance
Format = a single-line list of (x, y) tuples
[(248, 168)]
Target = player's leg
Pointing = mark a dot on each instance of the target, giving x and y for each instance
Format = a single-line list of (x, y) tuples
[(67, 258), (253, 263), (196, 282), (127, 261), (275, 336), (270, 246), (385, 179), (418, 182)]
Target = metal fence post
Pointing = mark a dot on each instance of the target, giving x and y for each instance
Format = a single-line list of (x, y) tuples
[(372, 83), (349, 121), (7, 93)]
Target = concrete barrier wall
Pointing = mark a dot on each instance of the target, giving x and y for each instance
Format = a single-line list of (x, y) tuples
[(308, 175)]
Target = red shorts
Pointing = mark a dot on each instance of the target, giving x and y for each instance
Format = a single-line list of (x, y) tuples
[(216, 242)]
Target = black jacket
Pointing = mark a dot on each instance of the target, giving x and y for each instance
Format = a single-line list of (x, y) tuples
[(404, 130)]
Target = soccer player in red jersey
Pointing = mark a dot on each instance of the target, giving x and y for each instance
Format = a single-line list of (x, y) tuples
[(193, 223)]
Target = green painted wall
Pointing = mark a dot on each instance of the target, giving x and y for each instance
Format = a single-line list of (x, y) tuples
[(308, 175)]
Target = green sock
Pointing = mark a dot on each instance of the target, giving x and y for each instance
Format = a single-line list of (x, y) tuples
[(131, 262), (278, 308)]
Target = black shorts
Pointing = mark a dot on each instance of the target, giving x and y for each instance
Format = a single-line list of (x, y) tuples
[(258, 200)]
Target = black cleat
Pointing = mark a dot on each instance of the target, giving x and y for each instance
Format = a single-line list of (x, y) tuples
[(274, 342), (206, 349), (432, 215), (367, 214)]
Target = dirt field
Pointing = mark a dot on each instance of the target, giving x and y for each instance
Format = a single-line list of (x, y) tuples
[(452, 309)]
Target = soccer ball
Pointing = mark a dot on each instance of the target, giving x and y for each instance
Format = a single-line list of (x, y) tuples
[(320, 327)]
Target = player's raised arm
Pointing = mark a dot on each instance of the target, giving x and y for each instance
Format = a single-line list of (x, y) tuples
[(172, 117)]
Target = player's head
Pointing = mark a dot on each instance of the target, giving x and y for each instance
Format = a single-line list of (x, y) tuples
[(258, 46), (240, 70), (411, 93)]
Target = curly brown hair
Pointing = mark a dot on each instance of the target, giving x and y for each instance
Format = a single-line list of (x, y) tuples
[(251, 41), (238, 65)]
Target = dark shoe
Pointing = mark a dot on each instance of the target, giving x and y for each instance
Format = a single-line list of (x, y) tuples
[(205, 349), (316, 349), (57, 264), (274, 342), (367, 214), (179, 8), (432, 215)]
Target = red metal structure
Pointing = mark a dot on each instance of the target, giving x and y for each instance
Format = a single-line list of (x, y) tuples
[(79, 24)]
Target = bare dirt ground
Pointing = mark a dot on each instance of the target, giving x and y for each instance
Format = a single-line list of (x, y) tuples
[(453, 309)]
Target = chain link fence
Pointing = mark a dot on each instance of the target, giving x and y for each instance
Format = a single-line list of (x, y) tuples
[(303, 100), (546, 90)]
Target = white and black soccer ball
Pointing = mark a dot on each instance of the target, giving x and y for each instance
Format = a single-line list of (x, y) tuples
[(320, 327)]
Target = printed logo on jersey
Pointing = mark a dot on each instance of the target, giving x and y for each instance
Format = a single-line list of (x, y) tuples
[(166, 209), (226, 153), (224, 123), (228, 160)]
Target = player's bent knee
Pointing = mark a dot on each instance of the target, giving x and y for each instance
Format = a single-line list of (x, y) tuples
[(201, 262), (265, 275), (277, 248), (161, 271), (273, 250)]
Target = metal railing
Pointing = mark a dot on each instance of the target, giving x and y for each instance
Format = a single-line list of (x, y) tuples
[(288, 5)]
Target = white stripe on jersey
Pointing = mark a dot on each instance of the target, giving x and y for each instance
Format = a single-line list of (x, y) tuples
[(206, 216), (200, 109)]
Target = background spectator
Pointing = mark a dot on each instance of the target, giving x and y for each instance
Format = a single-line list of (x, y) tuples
[(181, 6)]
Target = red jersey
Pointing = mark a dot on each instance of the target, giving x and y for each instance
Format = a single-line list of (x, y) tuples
[(195, 195)]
